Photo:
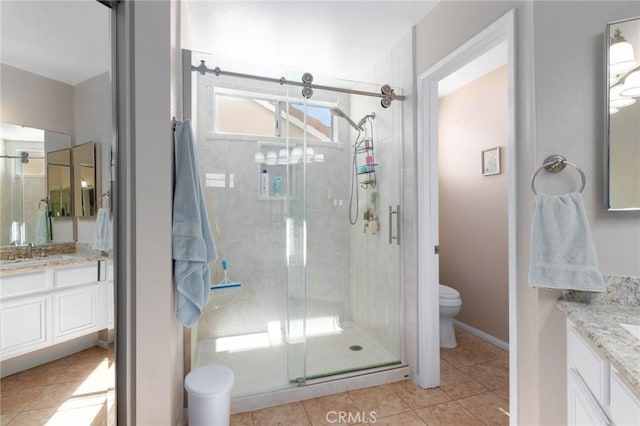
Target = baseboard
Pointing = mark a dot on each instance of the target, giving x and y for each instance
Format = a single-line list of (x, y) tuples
[(481, 334)]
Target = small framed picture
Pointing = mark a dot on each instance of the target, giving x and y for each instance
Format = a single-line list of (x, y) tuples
[(491, 161)]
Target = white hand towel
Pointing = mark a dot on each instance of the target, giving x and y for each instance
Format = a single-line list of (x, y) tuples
[(103, 236), (42, 227), (563, 255)]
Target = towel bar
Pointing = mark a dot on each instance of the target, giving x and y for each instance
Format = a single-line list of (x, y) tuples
[(556, 164)]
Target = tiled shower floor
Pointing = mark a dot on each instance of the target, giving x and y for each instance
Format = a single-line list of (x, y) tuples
[(260, 364)]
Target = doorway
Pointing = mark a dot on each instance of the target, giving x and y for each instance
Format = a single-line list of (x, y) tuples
[(500, 33)]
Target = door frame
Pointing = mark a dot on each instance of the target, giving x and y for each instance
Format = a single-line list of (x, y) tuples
[(502, 30)]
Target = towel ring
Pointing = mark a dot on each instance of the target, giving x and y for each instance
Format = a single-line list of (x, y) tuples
[(556, 164)]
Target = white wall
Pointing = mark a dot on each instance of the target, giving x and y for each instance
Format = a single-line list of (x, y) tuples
[(563, 115)]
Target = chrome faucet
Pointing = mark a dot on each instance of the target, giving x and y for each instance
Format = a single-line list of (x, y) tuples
[(27, 251)]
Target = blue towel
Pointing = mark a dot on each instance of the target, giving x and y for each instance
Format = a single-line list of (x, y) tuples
[(43, 234), (103, 236), (563, 255), (193, 246)]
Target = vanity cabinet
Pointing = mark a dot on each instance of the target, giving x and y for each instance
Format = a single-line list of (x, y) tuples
[(596, 395), (50, 306)]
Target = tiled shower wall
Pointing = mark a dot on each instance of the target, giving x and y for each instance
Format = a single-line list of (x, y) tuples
[(376, 285)]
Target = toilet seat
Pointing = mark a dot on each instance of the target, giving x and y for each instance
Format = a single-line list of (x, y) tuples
[(449, 296)]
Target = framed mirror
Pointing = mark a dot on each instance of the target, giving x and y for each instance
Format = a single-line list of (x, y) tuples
[(86, 181), (59, 182), (622, 170)]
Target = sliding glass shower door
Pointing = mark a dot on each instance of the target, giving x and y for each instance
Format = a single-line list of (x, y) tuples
[(318, 295)]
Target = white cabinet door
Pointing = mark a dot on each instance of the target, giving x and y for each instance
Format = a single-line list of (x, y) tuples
[(23, 325), (75, 312), (625, 406), (583, 409)]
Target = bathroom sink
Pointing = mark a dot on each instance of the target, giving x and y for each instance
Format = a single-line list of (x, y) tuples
[(633, 329)]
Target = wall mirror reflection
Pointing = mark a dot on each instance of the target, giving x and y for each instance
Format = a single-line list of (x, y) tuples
[(59, 182), (57, 298), (623, 116), (23, 180), (86, 178)]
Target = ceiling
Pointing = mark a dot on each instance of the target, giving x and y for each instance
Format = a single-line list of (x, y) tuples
[(69, 40), (66, 41), (340, 39)]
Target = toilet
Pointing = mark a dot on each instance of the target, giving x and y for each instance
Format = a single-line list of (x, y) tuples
[(450, 303)]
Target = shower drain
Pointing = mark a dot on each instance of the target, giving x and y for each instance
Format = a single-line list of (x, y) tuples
[(355, 348)]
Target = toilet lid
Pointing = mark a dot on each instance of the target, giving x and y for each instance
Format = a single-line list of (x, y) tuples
[(209, 380), (448, 292)]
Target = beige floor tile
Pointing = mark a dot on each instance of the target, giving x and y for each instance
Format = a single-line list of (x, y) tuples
[(6, 418), (326, 410), (39, 376), (34, 417), (458, 385), (502, 393), (490, 409), (379, 399), (501, 363), (403, 419), (461, 356), (288, 414), (16, 400), (54, 395), (416, 397), (489, 375), (444, 365), (241, 419), (487, 352), (447, 414)]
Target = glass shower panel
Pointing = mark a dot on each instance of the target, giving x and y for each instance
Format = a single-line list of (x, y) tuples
[(353, 291), (254, 192)]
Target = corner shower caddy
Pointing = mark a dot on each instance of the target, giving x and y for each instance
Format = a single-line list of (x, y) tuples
[(369, 173)]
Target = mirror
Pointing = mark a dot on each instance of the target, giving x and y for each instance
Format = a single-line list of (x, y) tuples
[(59, 182), (23, 179), (623, 115), (86, 182)]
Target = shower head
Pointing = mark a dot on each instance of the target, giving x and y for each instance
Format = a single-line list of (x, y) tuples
[(340, 113)]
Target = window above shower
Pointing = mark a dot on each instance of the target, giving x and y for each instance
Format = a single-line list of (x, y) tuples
[(271, 117)]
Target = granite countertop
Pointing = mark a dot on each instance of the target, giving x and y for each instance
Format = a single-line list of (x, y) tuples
[(10, 267), (600, 323)]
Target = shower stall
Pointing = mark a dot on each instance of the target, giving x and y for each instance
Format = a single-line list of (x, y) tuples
[(302, 195)]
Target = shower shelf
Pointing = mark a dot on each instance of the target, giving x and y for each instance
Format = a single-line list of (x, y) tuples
[(370, 173)]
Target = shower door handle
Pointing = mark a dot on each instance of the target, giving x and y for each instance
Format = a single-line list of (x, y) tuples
[(397, 213)]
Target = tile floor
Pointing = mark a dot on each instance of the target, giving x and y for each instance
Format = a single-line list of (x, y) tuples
[(76, 390), (474, 391)]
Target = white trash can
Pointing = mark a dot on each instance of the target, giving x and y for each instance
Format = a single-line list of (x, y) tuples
[(209, 389)]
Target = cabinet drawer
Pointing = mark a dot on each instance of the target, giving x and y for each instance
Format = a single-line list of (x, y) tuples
[(23, 325), (625, 407), (22, 284), (64, 277), (593, 370)]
